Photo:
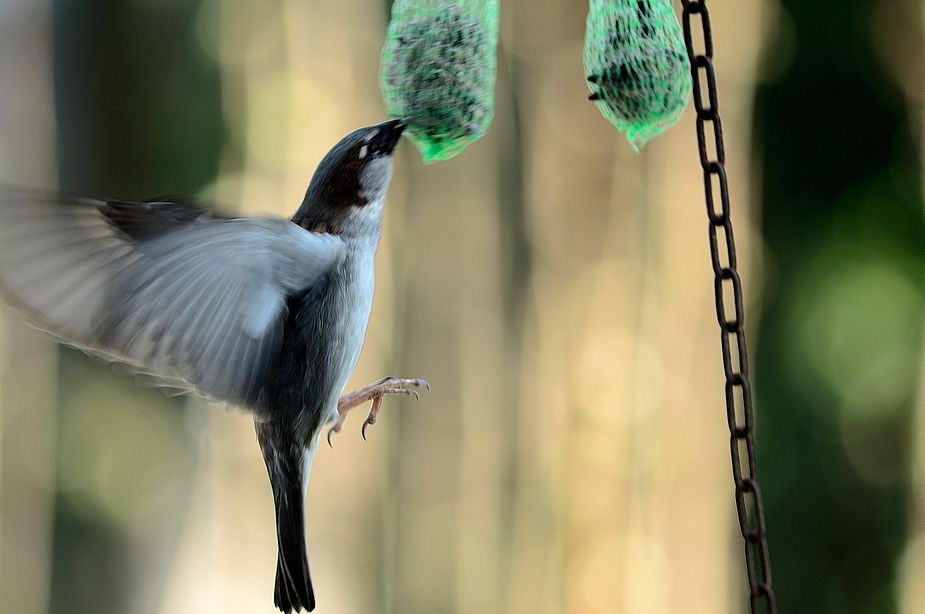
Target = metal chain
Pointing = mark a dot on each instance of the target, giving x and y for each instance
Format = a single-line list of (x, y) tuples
[(739, 412)]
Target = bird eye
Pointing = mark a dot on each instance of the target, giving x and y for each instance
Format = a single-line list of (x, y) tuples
[(363, 150)]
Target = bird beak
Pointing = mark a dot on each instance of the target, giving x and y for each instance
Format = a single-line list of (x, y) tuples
[(388, 135)]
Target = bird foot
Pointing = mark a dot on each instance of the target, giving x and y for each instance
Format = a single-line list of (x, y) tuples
[(374, 392)]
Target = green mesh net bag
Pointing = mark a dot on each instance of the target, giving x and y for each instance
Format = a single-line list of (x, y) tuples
[(637, 65), (438, 72)]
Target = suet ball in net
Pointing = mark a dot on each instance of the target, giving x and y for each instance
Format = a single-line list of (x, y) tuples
[(636, 65), (438, 72)]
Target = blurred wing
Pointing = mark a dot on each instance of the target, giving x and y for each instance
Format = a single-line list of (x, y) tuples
[(192, 298)]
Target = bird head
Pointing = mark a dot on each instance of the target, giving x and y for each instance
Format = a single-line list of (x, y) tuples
[(354, 174)]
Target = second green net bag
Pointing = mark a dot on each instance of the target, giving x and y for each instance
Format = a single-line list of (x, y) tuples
[(637, 66), (438, 72)]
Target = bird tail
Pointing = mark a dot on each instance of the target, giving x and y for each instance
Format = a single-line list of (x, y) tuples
[(285, 466), (293, 581)]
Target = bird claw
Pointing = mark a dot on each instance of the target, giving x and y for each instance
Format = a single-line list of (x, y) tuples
[(371, 418), (375, 393), (335, 429)]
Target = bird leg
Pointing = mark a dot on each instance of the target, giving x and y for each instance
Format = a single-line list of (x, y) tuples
[(373, 392)]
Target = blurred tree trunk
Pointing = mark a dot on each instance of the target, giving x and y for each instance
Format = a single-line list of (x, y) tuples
[(448, 476), (28, 361)]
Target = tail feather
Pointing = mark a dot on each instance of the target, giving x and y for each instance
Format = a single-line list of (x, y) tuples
[(284, 459), (293, 581)]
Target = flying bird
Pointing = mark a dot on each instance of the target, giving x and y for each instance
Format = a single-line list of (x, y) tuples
[(266, 314)]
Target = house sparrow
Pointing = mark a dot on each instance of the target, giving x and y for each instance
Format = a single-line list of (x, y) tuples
[(266, 314)]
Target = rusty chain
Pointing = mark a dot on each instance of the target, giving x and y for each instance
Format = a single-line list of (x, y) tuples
[(739, 411)]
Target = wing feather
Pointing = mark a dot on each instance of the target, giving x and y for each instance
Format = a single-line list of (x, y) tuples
[(194, 299)]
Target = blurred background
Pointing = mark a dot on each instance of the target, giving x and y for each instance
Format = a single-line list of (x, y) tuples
[(555, 289)]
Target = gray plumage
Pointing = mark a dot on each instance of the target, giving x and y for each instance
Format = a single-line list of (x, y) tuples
[(267, 314)]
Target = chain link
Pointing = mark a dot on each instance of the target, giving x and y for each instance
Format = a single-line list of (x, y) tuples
[(739, 411)]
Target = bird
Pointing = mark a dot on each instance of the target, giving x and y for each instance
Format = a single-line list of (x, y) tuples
[(267, 314)]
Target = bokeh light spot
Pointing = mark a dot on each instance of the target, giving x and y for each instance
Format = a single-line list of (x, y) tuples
[(857, 325)]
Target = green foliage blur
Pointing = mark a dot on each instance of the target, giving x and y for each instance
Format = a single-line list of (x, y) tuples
[(839, 346)]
